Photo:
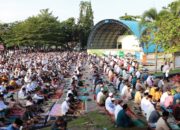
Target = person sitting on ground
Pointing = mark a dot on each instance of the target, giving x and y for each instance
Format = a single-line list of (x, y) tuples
[(161, 83), (177, 95), (96, 81), (168, 103), (138, 85), (3, 88), (123, 119), (157, 95), (65, 107), (22, 94), (118, 108), (150, 80), (176, 110), (59, 124), (163, 97), (126, 92), (39, 99), (144, 103), (134, 80), (99, 95), (109, 105), (15, 125), (118, 82), (138, 97), (98, 87), (154, 116), (162, 122), (149, 107), (102, 98)]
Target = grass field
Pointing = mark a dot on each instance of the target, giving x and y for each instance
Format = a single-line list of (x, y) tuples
[(95, 121), (171, 72)]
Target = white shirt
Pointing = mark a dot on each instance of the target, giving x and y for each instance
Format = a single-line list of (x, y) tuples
[(109, 105), (29, 103), (99, 96), (149, 110), (163, 98), (29, 87), (161, 124), (165, 68), (143, 103), (118, 70), (21, 95), (124, 90), (34, 84), (2, 88), (2, 105), (117, 110), (138, 74), (117, 83), (37, 97), (64, 107)]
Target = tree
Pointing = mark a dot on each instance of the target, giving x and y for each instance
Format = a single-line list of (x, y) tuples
[(164, 28), (85, 22), (130, 17), (168, 33), (69, 29), (3, 29), (36, 31), (175, 8)]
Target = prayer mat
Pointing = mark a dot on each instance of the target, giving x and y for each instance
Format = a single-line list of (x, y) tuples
[(83, 98), (16, 112), (56, 110), (83, 90)]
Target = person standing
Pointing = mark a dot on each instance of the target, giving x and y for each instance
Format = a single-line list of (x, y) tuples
[(166, 69)]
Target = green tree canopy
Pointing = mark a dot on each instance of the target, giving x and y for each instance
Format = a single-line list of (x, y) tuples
[(163, 27), (85, 22), (130, 17)]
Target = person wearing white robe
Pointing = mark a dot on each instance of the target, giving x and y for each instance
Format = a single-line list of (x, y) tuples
[(126, 93), (144, 102), (118, 108), (22, 94), (99, 95), (149, 108), (163, 98), (110, 107)]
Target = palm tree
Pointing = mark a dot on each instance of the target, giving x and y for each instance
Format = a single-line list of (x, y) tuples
[(175, 8), (150, 15), (149, 18)]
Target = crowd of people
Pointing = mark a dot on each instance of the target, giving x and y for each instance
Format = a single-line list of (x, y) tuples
[(28, 80), (155, 98)]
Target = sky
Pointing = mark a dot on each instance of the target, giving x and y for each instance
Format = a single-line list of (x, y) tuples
[(15, 10)]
